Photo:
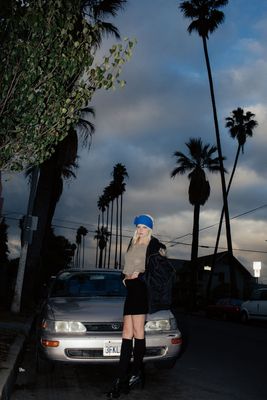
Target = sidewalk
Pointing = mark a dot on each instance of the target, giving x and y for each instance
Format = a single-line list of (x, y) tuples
[(14, 330)]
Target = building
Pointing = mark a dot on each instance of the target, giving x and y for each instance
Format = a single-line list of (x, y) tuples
[(211, 283)]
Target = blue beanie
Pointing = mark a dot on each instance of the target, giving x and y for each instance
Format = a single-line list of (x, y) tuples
[(144, 219)]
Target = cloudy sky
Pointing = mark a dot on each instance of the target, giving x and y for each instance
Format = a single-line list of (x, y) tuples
[(166, 101)]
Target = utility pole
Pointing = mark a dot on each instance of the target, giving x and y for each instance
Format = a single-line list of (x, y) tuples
[(29, 225)]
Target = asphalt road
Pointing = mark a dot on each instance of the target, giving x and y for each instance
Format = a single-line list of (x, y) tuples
[(222, 360)]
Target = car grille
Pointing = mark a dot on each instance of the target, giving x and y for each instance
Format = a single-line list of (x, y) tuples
[(103, 327), (98, 353)]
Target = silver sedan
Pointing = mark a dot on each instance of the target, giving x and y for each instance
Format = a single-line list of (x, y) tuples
[(82, 319)]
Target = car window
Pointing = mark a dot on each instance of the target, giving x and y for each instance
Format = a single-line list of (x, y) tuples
[(255, 295), (236, 302), (87, 285)]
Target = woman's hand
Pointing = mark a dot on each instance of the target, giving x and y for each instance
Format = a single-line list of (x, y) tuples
[(134, 275), (163, 252)]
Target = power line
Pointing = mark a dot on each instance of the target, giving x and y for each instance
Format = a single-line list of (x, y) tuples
[(223, 248), (73, 222), (172, 241), (217, 223)]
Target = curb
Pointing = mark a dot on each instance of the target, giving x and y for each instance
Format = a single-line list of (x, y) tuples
[(9, 368)]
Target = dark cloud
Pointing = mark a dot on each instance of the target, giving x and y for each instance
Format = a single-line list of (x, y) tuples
[(165, 102)]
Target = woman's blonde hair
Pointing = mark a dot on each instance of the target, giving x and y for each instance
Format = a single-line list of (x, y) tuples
[(136, 237)]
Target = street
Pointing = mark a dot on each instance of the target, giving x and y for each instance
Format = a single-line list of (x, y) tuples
[(222, 360)]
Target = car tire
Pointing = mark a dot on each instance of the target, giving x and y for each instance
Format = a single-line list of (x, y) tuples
[(165, 364), (244, 317)]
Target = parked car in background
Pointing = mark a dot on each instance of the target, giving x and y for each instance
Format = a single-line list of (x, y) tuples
[(82, 318), (226, 308), (255, 307)]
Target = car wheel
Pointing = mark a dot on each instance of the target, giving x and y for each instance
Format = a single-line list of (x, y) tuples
[(165, 364), (244, 317)]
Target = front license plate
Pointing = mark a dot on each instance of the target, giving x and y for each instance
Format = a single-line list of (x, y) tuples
[(111, 348)]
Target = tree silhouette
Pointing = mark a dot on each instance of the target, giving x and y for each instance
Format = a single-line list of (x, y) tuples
[(206, 17), (200, 158), (240, 127), (119, 174), (95, 11), (102, 236)]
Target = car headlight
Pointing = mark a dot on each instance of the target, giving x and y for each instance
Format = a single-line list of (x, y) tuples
[(64, 326), (161, 325)]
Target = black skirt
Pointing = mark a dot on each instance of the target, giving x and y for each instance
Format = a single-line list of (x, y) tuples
[(136, 298)]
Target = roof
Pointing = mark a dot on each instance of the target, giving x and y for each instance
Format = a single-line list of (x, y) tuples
[(181, 265)]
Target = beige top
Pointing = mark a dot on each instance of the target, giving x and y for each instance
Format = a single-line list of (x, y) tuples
[(135, 259)]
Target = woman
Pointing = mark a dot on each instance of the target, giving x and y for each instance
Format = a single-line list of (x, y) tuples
[(141, 247)]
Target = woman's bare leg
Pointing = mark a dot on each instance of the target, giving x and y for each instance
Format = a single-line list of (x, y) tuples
[(138, 323), (128, 330)]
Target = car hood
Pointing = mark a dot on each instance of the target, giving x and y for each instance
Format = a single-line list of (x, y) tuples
[(92, 309)]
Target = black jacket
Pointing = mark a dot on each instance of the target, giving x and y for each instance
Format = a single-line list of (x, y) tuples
[(159, 277)]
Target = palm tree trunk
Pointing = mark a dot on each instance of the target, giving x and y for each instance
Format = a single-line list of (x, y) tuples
[(195, 235), (227, 192), (220, 226), (41, 208), (217, 132), (83, 239), (120, 248), (234, 168), (97, 240), (194, 255), (100, 261), (111, 227), (117, 229), (107, 221)]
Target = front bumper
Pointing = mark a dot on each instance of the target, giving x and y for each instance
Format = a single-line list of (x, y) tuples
[(88, 348)]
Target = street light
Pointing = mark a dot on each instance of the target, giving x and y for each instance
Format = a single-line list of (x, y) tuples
[(257, 269)]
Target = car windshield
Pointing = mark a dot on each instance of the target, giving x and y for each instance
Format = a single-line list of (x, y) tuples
[(87, 284)]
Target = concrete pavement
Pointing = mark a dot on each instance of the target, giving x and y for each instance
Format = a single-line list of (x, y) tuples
[(10, 364)]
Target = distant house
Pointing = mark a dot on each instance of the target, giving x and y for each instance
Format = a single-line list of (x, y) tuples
[(211, 284)]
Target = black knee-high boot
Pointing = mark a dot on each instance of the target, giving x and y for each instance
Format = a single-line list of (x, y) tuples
[(137, 376), (125, 357), (138, 354), (121, 383)]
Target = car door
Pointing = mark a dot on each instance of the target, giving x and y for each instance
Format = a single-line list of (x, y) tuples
[(253, 305)]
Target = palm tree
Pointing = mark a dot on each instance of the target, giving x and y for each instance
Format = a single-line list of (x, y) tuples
[(95, 10), (83, 233), (240, 127), (103, 206), (49, 189), (102, 238), (112, 191), (200, 158), (119, 173), (206, 17), (107, 196)]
